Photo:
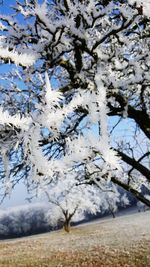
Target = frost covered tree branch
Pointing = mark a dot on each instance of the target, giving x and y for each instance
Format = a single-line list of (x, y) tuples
[(71, 65)]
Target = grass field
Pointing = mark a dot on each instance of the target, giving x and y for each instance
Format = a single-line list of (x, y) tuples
[(119, 242)]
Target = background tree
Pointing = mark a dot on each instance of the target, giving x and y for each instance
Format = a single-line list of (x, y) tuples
[(113, 200), (96, 55), (72, 202)]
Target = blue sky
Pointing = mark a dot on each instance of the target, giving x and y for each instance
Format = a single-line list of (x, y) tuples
[(17, 197), (5, 7)]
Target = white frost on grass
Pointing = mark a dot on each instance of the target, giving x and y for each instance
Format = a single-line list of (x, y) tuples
[(115, 233)]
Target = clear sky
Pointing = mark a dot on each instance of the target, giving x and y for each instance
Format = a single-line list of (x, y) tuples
[(5, 7), (17, 197)]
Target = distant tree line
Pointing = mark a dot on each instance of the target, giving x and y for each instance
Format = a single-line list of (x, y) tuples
[(23, 221)]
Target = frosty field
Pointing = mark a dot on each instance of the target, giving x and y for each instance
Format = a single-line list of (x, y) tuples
[(119, 242)]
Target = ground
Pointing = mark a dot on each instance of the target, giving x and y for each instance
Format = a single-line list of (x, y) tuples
[(119, 242)]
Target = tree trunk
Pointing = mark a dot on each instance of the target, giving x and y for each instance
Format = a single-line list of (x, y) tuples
[(67, 226), (112, 213)]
